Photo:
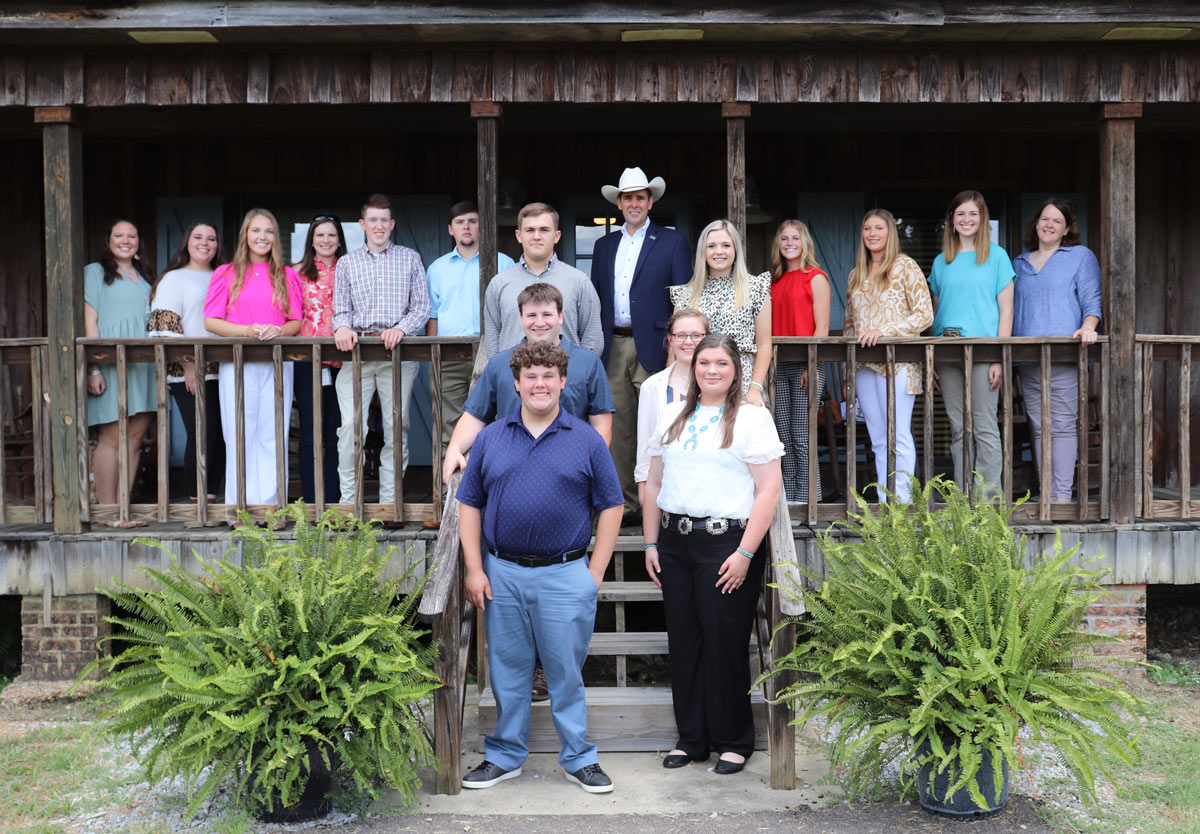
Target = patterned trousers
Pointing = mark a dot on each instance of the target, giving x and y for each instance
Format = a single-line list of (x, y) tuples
[(791, 418)]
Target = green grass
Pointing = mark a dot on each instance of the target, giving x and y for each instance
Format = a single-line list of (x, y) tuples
[(1166, 673), (1162, 794)]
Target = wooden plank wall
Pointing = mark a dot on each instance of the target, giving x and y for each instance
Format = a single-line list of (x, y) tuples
[(1168, 250), (1014, 73)]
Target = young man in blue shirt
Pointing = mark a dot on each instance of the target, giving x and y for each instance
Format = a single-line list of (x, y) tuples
[(454, 296), (526, 503)]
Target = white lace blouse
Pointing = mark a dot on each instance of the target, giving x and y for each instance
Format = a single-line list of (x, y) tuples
[(702, 479)]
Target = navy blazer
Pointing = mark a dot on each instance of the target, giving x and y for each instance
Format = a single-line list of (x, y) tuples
[(665, 259)]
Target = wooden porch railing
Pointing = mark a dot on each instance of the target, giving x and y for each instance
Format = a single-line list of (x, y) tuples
[(25, 487), (1165, 496), (1091, 361), (160, 351)]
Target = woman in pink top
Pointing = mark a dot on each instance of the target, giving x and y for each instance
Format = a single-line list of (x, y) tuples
[(322, 248), (255, 296)]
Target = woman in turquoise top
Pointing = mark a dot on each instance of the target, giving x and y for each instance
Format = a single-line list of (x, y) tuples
[(972, 288), (116, 296)]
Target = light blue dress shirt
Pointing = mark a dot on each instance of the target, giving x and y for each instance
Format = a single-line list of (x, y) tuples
[(1054, 302), (454, 292)]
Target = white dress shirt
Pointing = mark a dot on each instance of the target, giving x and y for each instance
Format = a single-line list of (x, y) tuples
[(625, 265)]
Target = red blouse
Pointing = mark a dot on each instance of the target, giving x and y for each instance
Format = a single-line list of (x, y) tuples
[(792, 303)]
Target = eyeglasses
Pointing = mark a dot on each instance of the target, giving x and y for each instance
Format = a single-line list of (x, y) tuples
[(688, 337)]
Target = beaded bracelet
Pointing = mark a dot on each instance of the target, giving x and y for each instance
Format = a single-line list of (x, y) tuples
[(745, 552), (650, 545)]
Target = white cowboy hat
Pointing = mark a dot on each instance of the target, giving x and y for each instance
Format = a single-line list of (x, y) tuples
[(634, 179)]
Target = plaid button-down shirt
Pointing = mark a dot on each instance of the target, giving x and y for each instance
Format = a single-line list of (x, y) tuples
[(381, 291)]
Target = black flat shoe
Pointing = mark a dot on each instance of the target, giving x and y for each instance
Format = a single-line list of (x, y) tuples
[(681, 760), (726, 767)]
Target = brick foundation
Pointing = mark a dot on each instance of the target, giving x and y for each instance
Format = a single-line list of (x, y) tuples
[(62, 648), (1122, 613)]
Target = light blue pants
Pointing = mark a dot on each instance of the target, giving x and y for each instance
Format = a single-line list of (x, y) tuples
[(550, 611)]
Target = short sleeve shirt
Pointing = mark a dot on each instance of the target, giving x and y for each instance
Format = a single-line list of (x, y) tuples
[(585, 394), (537, 495), (966, 292)]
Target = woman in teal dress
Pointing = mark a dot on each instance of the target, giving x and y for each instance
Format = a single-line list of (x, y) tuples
[(116, 295)]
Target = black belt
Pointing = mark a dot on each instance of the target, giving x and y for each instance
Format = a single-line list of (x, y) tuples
[(623, 331), (688, 524), (542, 561)]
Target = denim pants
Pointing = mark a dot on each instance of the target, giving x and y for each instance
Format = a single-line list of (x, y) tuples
[(550, 611)]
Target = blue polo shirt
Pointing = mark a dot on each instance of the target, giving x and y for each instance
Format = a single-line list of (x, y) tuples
[(454, 292), (537, 495), (585, 394)]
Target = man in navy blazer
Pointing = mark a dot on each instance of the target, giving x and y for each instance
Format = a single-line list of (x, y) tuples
[(631, 270)]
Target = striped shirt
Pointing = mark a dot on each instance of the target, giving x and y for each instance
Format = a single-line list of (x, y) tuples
[(375, 292)]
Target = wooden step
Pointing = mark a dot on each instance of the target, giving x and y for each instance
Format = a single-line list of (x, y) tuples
[(620, 720), (638, 642), (630, 592)]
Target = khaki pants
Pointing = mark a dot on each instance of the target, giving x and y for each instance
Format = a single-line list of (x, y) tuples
[(456, 380), (376, 377), (625, 378), (988, 452)]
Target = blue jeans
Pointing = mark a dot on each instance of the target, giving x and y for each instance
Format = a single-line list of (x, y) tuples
[(551, 611)]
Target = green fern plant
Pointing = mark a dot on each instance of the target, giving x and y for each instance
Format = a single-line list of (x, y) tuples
[(930, 642), (232, 672)]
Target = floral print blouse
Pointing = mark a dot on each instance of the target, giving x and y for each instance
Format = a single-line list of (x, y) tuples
[(902, 308), (316, 311)]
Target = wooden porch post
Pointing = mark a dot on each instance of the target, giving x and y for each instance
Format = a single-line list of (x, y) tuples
[(487, 116), (62, 172), (1117, 259), (735, 114)]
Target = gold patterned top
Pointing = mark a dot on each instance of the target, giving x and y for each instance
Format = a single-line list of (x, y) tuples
[(902, 308)]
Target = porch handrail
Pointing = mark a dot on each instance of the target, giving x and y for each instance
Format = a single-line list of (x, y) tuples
[(32, 353), (1167, 348)]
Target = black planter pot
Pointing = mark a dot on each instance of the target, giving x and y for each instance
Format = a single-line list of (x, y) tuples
[(315, 801), (961, 805)]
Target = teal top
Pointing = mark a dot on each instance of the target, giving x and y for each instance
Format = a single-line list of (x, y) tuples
[(966, 292), (122, 310)]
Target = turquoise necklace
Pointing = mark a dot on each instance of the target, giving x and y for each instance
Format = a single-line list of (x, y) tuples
[(692, 441)]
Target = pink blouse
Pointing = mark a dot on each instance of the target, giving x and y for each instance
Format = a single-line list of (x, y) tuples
[(255, 303)]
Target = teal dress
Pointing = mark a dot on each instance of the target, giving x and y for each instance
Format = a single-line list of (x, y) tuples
[(122, 309)]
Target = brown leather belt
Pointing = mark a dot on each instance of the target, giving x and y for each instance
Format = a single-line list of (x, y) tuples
[(623, 331), (372, 333)]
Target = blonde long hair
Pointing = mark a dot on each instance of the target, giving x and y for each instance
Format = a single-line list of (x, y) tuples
[(983, 237), (739, 274), (241, 263), (862, 261), (808, 249)]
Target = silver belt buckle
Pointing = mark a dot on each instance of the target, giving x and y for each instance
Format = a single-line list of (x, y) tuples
[(666, 520), (716, 526), (685, 525)]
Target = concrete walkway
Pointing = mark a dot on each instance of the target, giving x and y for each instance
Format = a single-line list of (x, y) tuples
[(646, 797)]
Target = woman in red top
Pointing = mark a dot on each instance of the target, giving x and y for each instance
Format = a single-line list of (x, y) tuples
[(322, 248), (799, 307)]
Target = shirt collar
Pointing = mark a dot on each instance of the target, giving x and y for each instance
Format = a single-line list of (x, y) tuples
[(549, 264), (387, 250), (455, 256), (639, 233), (560, 422)]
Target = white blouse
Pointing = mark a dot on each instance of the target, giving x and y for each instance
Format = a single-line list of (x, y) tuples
[(652, 399), (702, 479), (182, 292)]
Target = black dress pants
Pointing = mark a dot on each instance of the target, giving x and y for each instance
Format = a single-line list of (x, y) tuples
[(331, 419), (708, 638), (215, 448)]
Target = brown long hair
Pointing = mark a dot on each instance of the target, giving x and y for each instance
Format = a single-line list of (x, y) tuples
[(732, 398), (308, 264), (891, 254), (241, 262), (1070, 238), (108, 261), (808, 256), (983, 237), (181, 257)]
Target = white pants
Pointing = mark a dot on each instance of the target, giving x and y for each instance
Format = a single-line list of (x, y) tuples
[(872, 399), (258, 379), (376, 377)]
